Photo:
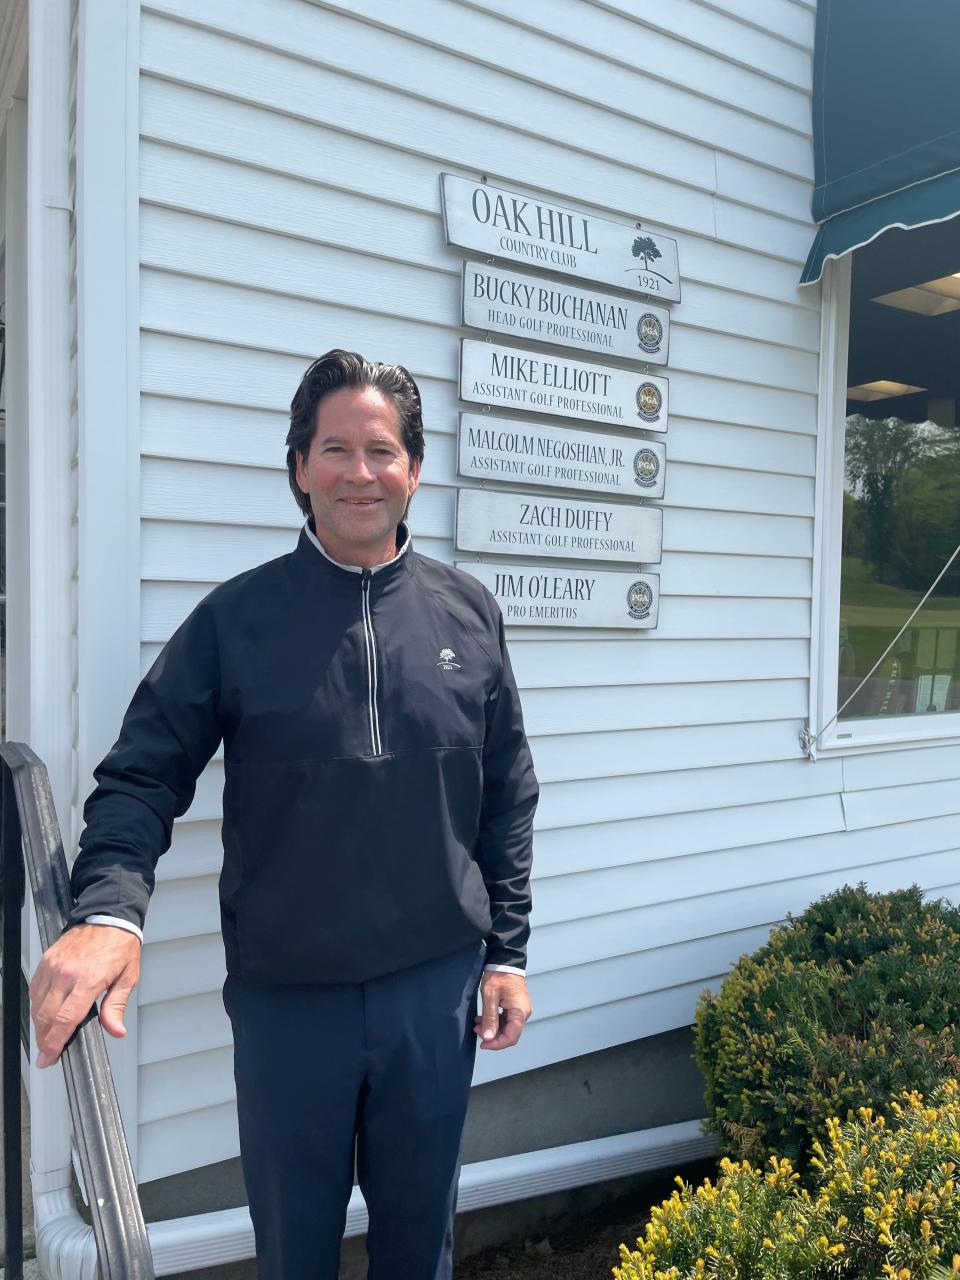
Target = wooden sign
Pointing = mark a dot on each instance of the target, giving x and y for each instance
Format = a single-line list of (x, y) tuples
[(559, 457), (515, 523), (505, 224), (531, 595), (536, 383), (531, 307)]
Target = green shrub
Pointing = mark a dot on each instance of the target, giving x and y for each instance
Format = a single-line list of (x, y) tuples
[(748, 1225), (853, 1001), (885, 1203)]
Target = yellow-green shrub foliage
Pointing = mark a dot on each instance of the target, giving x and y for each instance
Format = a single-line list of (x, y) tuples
[(888, 1186), (749, 1225), (885, 1204), (853, 1001)]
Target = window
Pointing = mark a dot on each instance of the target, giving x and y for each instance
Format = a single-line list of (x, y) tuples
[(890, 519)]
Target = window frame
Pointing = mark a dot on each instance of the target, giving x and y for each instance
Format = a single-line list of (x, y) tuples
[(854, 736)]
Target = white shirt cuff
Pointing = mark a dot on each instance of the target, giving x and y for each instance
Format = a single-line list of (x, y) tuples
[(117, 923)]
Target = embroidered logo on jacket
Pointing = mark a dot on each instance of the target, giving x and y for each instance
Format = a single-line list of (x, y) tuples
[(447, 662)]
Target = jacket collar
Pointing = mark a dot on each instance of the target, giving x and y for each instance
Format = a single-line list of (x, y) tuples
[(311, 549)]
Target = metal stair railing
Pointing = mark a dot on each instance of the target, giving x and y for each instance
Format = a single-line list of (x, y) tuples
[(29, 832)]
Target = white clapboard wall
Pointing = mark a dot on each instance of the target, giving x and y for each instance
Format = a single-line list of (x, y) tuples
[(290, 163)]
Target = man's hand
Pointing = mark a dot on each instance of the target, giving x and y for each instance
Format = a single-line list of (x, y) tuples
[(506, 991), (80, 966)]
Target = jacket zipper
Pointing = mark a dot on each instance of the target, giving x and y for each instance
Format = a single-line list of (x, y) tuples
[(371, 647)]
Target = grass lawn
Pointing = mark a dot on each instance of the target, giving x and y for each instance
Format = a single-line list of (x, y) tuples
[(863, 599), (871, 614)]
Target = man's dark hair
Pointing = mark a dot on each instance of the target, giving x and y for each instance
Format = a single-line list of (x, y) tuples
[(338, 369)]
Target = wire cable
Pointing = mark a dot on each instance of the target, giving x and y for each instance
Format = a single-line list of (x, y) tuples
[(808, 740)]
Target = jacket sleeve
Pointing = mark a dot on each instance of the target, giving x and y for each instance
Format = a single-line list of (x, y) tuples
[(171, 729), (505, 842)]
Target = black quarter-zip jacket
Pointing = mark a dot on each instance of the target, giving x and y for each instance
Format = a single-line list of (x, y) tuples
[(379, 792)]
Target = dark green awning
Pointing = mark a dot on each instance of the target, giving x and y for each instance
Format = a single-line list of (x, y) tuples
[(935, 200), (886, 113)]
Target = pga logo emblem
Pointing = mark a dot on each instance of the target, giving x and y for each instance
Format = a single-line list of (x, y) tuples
[(639, 600), (649, 333), (649, 401)]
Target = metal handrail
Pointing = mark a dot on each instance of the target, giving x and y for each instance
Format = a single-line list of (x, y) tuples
[(28, 821), (11, 884)]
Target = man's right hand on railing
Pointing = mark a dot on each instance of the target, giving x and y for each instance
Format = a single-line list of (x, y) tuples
[(86, 962)]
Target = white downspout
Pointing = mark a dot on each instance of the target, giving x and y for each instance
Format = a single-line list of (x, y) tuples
[(106, 71), (46, 721)]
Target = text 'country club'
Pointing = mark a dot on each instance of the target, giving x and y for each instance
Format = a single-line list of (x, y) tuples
[(553, 225)]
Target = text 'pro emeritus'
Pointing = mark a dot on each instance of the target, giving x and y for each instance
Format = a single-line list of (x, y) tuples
[(531, 595)]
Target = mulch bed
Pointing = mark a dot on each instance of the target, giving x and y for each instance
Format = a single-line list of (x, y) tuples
[(580, 1247)]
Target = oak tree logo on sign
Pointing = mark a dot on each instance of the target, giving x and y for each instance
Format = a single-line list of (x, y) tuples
[(447, 661), (649, 401), (646, 468), (639, 600), (650, 333), (645, 248)]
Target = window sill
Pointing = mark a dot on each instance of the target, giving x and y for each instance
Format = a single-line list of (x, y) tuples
[(858, 737)]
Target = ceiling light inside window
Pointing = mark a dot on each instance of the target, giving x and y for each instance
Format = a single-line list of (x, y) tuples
[(935, 298), (881, 390)]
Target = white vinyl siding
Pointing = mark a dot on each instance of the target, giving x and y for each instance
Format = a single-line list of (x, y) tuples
[(290, 160)]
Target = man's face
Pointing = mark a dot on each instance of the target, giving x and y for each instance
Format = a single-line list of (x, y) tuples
[(358, 475)]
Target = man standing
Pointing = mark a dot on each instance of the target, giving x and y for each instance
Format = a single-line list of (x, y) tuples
[(377, 817)]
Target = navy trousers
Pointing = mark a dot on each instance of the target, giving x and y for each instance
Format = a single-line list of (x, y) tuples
[(379, 1070)]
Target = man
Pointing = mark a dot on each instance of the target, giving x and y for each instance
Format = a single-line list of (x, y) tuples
[(377, 816)]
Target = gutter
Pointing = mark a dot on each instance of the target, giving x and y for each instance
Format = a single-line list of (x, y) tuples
[(66, 1249)]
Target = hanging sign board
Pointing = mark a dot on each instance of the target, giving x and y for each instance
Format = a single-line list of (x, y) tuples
[(530, 595), (514, 523), (519, 228), (531, 307), (560, 457), (538, 383)]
